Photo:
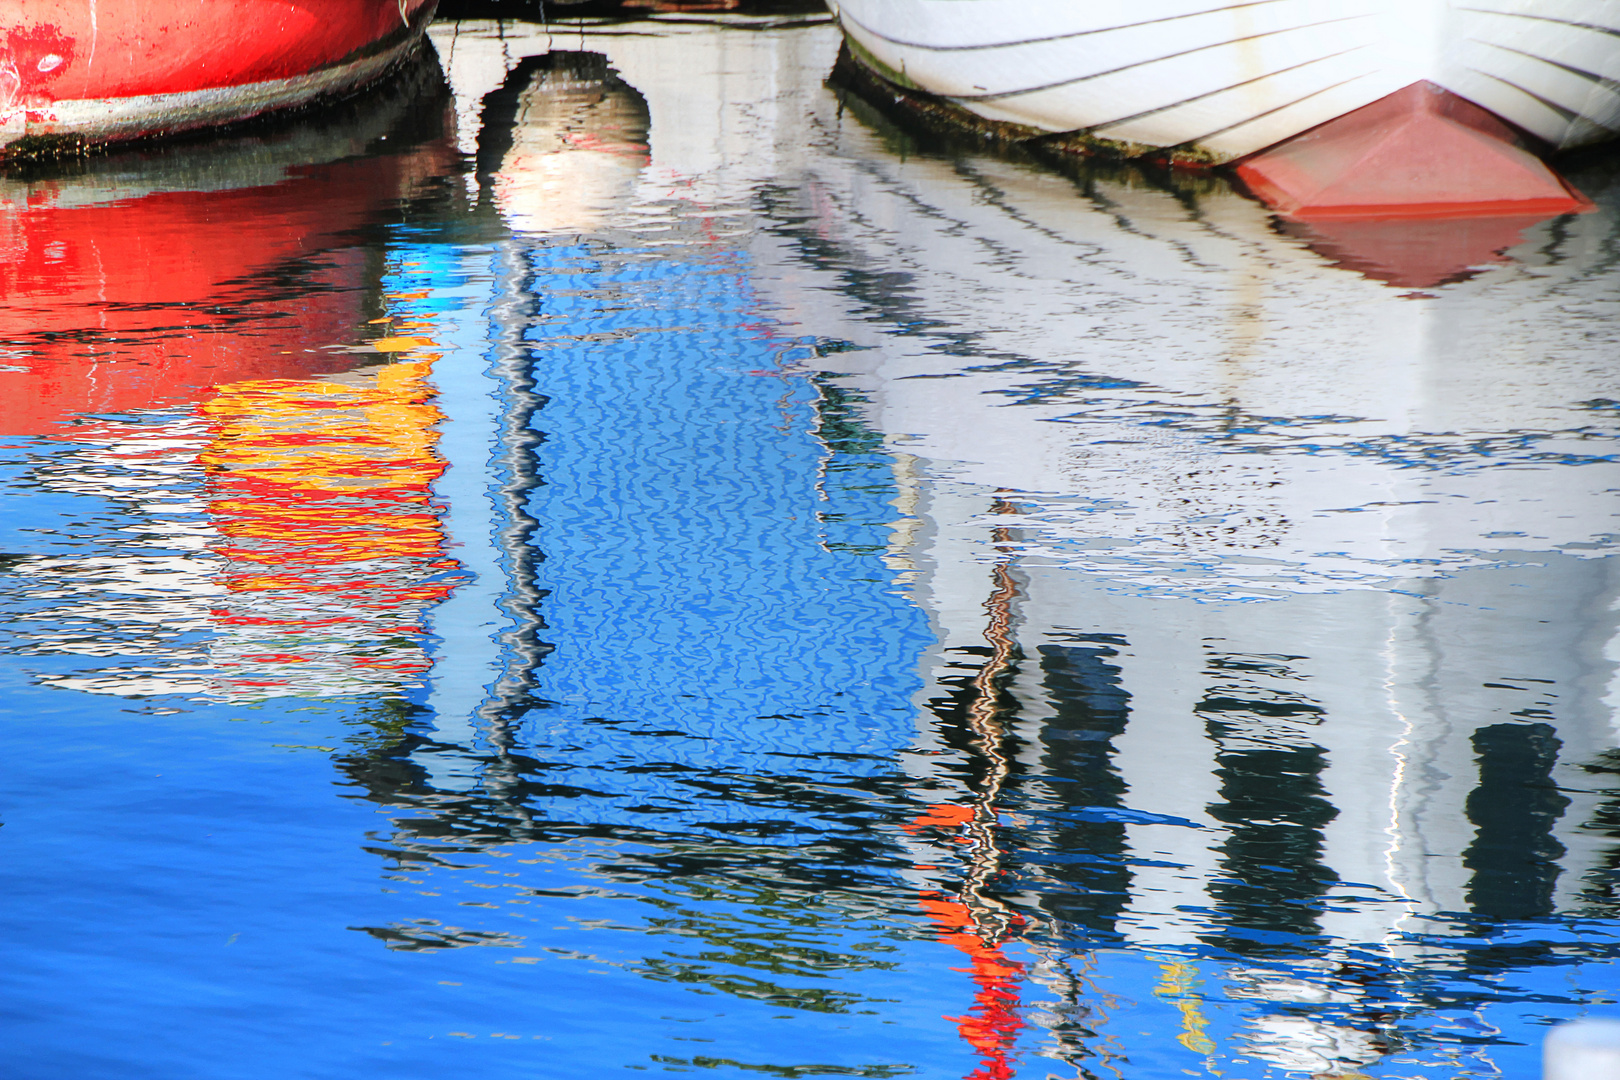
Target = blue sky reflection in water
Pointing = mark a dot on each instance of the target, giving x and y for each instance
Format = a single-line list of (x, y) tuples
[(650, 567)]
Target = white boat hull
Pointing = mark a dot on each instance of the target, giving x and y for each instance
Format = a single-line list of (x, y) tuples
[(1227, 78)]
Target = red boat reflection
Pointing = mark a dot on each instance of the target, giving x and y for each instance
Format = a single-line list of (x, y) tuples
[(230, 293), (147, 279)]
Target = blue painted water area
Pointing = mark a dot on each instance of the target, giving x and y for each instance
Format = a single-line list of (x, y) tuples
[(753, 591)]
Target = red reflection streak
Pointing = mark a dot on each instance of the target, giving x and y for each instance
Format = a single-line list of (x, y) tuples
[(121, 303), (977, 928), (942, 816), (991, 1027)]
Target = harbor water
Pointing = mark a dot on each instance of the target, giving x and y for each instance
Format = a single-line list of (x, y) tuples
[(617, 550)]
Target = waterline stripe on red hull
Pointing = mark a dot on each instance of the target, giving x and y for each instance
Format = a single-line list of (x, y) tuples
[(136, 117)]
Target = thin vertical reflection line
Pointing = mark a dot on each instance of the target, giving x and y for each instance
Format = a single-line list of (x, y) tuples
[(1398, 752), (516, 465)]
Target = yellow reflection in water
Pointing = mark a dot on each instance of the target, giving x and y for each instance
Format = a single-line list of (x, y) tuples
[(321, 494)]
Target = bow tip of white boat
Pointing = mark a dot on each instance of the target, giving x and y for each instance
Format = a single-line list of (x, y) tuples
[(1325, 108)]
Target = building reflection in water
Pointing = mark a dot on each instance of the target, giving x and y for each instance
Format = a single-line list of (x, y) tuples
[(709, 672), (812, 560)]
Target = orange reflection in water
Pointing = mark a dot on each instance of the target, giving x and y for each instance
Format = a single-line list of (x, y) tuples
[(284, 540), (977, 926), (320, 491), (992, 1025)]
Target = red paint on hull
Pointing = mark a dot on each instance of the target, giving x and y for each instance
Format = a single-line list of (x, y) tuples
[(62, 62), (127, 48)]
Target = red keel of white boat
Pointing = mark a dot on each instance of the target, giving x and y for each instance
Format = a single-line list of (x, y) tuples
[(1417, 189), (1422, 152)]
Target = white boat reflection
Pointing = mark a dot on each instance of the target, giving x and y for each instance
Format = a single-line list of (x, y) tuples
[(1151, 393)]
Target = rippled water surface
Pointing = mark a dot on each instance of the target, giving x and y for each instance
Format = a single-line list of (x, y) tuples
[(615, 553)]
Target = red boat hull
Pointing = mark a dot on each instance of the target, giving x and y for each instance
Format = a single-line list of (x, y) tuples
[(108, 70)]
